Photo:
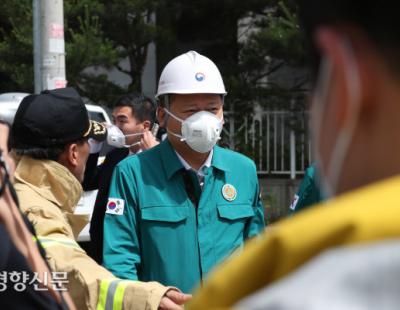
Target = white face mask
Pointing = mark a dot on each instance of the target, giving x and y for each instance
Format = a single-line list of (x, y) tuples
[(201, 131), (116, 138), (330, 178)]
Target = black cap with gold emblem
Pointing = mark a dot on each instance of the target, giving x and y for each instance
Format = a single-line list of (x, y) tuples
[(54, 118)]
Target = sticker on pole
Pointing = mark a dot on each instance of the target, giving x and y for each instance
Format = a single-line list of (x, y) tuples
[(56, 46), (56, 82), (115, 206), (56, 30)]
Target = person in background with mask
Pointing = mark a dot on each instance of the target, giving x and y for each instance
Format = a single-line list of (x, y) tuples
[(50, 139), (133, 117), (345, 253), (177, 210)]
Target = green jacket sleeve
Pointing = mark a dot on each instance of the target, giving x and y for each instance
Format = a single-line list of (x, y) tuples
[(256, 223), (121, 251), (308, 193)]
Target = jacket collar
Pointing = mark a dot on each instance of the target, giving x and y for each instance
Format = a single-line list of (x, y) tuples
[(170, 161), (172, 164), (219, 159), (51, 180)]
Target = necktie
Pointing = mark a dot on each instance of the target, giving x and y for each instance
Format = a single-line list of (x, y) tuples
[(192, 186)]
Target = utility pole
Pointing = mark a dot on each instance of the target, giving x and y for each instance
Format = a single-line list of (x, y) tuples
[(36, 46), (49, 46), (292, 141)]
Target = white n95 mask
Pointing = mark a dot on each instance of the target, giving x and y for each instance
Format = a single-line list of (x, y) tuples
[(116, 138), (201, 131)]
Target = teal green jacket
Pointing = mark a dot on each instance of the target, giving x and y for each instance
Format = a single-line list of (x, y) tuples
[(309, 192), (159, 235)]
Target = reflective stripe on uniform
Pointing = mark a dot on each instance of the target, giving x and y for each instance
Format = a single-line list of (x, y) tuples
[(119, 295), (111, 295), (103, 293), (48, 242)]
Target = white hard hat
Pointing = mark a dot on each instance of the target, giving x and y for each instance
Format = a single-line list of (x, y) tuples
[(190, 73)]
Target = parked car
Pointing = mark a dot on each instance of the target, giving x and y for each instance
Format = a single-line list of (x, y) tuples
[(9, 103)]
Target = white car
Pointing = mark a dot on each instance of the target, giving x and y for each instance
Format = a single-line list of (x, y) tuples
[(9, 103)]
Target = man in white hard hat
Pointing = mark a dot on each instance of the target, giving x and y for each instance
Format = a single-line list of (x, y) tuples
[(180, 208)]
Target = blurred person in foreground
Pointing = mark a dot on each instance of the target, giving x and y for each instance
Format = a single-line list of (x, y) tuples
[(345, 253), (26, 281), (133, 116), (50, 139)]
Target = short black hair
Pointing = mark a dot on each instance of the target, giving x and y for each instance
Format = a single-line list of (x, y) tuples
[(378, 20), (143, 107), (45, 153)]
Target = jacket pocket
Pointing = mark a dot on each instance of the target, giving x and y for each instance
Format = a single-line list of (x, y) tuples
[(235, 211), (165, 213)]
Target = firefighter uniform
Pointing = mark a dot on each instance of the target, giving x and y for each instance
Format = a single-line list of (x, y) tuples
[(48, 194)]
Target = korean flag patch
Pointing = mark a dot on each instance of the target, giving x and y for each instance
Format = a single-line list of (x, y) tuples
[(294, 203), (115, 206)]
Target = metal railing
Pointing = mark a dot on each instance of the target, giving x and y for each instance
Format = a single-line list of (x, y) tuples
[(277, 141)]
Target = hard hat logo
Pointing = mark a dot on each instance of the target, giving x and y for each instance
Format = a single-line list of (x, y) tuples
[(200, 76)]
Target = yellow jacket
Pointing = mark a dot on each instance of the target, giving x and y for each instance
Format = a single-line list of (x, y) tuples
[(48, 194), (365, 215)]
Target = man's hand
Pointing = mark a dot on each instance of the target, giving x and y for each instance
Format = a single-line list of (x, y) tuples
[(148, 140), (174, 300)]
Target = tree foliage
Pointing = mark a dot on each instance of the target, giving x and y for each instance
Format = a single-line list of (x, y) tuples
[(257, 45), (100, 34), (272, 65), (16, 58)]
